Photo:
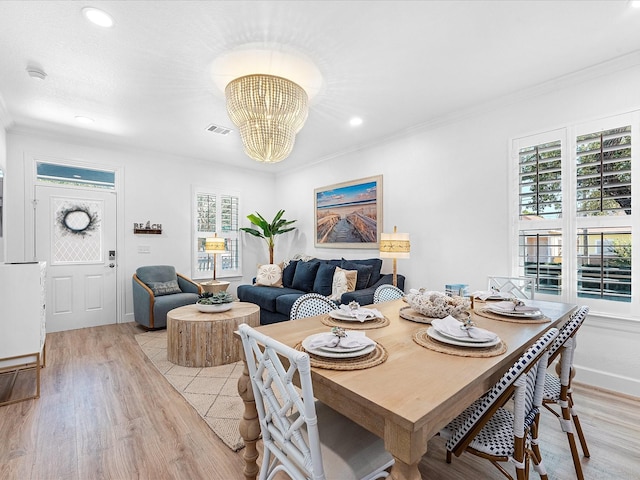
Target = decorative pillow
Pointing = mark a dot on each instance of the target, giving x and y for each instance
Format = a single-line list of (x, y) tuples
[(376, 263), (324, 279), (305, 275), (364, 272), (164, 288), (269, 275), (343, 281), (288, 273)]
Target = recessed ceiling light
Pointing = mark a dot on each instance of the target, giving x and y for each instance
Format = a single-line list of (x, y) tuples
[(355, 121), (98, 17), (84, 120)]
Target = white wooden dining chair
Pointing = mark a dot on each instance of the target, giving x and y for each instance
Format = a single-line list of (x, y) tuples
[(303, 437), (518, 287), (310, 305), (557, 389), (489, 430), (386, 293)]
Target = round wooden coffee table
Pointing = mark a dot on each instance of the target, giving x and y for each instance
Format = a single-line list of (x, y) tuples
[(197, 339)]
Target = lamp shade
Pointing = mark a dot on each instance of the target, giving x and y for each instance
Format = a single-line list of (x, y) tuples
[(394, 245), (269, 111), (215, 245)]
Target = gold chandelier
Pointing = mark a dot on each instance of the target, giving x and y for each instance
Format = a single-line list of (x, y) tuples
[(269, 111)]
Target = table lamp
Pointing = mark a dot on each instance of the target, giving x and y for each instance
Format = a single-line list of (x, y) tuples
[(394, 245), (215, 245)]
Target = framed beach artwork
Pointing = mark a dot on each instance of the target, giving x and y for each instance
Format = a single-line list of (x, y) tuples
[(349, 214)]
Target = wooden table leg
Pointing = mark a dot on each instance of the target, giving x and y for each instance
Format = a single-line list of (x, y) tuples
[(403, 471), (249, 424)]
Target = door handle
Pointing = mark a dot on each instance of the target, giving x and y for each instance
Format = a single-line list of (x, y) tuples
[(112, 265)]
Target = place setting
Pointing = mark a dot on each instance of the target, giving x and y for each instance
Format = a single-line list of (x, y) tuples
[(355, 317), (512, 310), (462, 338), (341, 349), (493, 295)]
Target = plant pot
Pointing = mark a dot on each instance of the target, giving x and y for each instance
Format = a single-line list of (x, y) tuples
[(214, 308)]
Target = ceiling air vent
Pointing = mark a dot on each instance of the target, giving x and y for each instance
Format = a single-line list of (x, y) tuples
[(218, 129)]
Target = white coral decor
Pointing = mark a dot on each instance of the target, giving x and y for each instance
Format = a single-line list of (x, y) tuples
[(437, 304)]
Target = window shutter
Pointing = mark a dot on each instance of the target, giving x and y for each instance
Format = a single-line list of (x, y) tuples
[(603, 172), (540, 180)]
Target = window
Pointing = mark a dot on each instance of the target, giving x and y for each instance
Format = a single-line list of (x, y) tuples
[(574, 217), (75, 176), (215, 214)]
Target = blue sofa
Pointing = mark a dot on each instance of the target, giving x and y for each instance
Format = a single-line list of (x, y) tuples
[(315, 275)]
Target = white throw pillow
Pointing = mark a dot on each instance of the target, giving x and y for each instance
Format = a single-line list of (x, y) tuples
[(343, 281), (269, 275)]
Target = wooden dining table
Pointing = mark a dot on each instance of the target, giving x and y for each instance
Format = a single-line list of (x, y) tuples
[(416, 391)]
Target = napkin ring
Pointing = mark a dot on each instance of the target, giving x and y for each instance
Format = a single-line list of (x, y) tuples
[(339, 332), (353, 305)]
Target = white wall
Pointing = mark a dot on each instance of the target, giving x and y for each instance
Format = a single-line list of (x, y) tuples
[(447, 185), (156, 187), (3, 167)]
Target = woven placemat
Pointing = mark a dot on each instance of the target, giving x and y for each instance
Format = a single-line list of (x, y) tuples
[(409, 313), (378, 356), (346, 324), (483, 312), (424, 340)]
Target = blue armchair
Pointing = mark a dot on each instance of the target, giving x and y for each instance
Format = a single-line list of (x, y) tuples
[(157, 290)]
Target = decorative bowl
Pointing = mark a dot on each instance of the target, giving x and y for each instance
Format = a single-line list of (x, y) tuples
[(437, 304), (214, 308)]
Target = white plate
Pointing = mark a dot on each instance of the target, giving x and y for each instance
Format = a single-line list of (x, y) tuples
[(338, 315), (498, 297), (461, 339), (534, 314), (335, 354), (341, 349), (433, 333)]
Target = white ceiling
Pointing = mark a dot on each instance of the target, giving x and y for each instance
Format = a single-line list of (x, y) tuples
[(397, 64)]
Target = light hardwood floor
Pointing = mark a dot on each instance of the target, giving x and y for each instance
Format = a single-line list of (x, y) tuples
[(106, 413)]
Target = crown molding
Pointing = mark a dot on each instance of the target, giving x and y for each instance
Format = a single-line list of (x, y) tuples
[(618, 64)]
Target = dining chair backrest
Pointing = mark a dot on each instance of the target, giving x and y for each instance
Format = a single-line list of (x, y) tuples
[(567, 335), (386, 293), (557, 389), (297, 453), (310, 305), (519, 287), (525, 378)]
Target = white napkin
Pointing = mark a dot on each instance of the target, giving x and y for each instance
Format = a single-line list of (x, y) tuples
[(450, 326), (511, 307), (361, 313), (352, 340), (484, 294)]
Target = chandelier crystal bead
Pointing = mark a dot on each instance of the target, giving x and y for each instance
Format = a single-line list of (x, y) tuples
[(269, 111)]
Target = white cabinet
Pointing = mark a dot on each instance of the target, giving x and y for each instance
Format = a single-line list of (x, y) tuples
[(22, 317)]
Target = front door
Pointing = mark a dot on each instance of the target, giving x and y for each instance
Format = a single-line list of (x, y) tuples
[(75, 233)]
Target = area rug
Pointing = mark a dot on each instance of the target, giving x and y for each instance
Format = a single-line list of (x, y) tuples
[(211, 391)]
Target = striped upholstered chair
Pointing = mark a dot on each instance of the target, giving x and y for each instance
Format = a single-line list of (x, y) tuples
[(489, 430), (557, 389)]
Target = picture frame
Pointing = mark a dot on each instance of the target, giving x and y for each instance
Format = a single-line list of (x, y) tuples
[(349, 214)]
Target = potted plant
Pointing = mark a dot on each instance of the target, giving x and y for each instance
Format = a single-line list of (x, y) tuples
[(214, 302), (278, 226)]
